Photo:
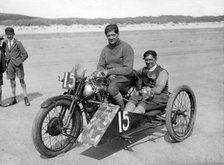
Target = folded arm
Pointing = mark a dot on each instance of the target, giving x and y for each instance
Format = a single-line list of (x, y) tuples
[(23, 51), (160, 82)]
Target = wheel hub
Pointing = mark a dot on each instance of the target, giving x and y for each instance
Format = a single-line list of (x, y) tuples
[(54, 126)]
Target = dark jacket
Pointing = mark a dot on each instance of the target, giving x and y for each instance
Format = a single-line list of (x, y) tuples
[(2, 58), (16, 54)]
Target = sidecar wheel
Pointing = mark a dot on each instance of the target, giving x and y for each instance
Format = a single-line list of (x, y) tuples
[(49, 134), (181, 113)]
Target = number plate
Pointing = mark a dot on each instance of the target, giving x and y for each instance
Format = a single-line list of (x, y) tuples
[(69, 80)]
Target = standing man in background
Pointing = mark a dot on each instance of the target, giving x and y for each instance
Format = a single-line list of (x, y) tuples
[(15, 56), (116, 61)]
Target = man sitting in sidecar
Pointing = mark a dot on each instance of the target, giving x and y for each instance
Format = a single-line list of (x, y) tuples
[(154, 88)]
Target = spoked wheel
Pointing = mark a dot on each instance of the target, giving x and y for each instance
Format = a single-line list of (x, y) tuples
[(181, 113), (51, 134)]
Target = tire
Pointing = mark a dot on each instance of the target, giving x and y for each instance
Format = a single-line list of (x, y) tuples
[(47, 130), (181, 113)]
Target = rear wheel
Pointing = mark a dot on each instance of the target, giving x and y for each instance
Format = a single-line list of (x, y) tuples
[(181, 113), (51, 135)]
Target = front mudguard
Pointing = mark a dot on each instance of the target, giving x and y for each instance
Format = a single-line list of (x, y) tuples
[(54, 99)]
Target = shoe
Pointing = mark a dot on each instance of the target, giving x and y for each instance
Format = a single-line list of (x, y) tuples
[(26, 101), (13, 101)]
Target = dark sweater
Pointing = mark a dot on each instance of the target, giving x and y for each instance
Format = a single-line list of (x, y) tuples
[(2, 58), (117, 60), (150, 78)]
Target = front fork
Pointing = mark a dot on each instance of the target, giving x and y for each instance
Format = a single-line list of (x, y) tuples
[(74, 103)]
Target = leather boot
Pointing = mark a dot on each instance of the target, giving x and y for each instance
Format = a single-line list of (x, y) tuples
[(119, 100), (26, 101)]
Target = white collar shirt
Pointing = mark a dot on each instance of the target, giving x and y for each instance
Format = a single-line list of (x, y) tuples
[(10, 43), (153, 68)]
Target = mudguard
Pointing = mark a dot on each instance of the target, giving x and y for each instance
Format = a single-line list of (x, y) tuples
[(53, 99)]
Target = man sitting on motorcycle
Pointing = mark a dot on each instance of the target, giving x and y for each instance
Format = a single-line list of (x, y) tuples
[(154, 86), (116, 61)]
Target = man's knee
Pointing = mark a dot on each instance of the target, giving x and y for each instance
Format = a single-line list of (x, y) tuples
[(13, 83), (143, 104), (112, 90), (22, 81), (140, 109), (117, 87)]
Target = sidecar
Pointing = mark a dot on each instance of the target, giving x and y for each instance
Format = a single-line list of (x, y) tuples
[(109, 121)]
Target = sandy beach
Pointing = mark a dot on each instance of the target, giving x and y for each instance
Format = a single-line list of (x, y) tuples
[(192, 56)]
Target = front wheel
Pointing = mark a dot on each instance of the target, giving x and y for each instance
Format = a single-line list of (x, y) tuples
[(51, 135), (181, 113)]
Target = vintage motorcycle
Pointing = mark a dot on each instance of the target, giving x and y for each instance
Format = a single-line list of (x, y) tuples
[(60, 120), (59, 124)]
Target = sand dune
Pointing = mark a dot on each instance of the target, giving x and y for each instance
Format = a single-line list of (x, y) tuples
[(96, 28)]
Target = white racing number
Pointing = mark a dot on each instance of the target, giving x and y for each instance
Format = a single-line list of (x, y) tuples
[(123, 121), (69, 80)]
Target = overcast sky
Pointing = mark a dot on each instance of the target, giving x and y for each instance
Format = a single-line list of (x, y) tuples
[(112, 8)]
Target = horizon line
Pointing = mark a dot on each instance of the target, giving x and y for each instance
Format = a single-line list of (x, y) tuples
[(111, 17)]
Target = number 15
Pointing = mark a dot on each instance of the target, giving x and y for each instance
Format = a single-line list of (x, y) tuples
[(122, 117)]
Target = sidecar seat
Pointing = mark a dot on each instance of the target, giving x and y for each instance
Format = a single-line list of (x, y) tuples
[(156, 110)]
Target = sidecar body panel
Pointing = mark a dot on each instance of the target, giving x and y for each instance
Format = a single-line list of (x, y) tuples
[(98, 125)]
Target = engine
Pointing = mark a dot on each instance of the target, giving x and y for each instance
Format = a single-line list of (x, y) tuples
[(91, 89), (88, 90), (95, 92), (94, 84), (93, 98)]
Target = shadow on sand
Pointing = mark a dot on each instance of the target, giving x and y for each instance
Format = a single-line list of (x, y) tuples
[(31, 96), (118, 144)]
